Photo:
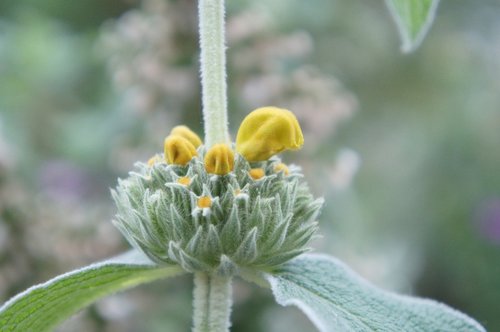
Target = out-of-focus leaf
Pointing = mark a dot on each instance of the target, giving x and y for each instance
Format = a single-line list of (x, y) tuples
[(413, 18), (41, 307), (336, 299)]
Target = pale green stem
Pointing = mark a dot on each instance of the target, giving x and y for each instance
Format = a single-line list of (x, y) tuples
[(213, 71), (212, 303), (212, 298)]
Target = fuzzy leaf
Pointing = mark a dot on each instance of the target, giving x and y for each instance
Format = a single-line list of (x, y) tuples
[(413, 18), (336, 299), (41, 307)]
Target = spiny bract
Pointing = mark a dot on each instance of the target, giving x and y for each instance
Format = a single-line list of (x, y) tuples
[(217, 223)]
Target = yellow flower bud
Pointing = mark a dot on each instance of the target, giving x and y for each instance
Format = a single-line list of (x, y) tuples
[(266, 132), (188, 134), (178, 150), (257, 173), (204, 202), (219, 159), (281, 168)]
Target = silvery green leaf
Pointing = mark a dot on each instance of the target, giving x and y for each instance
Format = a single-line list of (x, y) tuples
[(413, 18), (41, 307), (337, 299)]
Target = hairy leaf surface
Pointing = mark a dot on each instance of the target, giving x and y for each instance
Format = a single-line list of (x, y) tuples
[(41, 307), (337, 299)]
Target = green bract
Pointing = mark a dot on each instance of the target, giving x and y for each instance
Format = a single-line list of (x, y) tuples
[(204, 222)]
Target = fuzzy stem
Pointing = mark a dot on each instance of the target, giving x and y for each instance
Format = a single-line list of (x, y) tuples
[(213, 71), (212, 303)]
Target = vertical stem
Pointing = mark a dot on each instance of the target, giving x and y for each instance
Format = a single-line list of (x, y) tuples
[(200, 302), (213, 71), (212, 303), (212, 294)]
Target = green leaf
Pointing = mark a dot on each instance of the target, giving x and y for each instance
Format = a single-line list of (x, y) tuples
[(336, 299), (413, 18), (41, 307)]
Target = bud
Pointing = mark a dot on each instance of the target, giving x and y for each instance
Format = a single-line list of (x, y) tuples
[(178, 150), (257, 173), (184, 180), (188, 134), (268, 131), (204, 202), (219, 159)]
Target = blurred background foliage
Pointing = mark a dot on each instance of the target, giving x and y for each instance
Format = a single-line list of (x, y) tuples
[(405, 148)]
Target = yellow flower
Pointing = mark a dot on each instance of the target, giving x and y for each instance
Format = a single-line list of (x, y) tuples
[(219, 159), (268, 131), (188, 134), (178, 150), (257, 173), (204, 202)]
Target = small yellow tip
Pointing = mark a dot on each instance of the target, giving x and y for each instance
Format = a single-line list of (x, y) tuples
[(281, 168), (268, 131), (185, 181), (153, 160), (257, 173), (178, 150), (188, 134), (219, 159), (204, 202), (237, 192)]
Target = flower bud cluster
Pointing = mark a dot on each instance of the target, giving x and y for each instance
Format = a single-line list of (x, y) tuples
[(216, 211)]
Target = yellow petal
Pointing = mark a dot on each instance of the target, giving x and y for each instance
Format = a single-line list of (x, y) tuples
[(268, 131), (178, 150), (219, 159), (188, 134)]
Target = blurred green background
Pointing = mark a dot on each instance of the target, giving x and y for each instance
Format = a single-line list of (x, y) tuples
[(405, 148)]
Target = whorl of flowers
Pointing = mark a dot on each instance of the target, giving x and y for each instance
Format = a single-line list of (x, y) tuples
[(209, 209)]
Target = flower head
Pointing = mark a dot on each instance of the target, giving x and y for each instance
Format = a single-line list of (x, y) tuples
[(268, 131), (178, 150), (257, 216), (219, 159)]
